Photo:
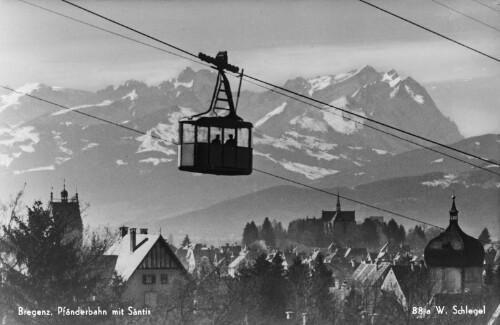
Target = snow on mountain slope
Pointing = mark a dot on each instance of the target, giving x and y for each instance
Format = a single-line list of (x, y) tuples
[(164, 135), (392, 78), (418, 98), (183, 84), (106, 102), (300, 140), (444, 182), (13, 98), (308, 123), (342, 122), (274, 112), (16, 141), (132, 95), (311, 172), (319, 83)]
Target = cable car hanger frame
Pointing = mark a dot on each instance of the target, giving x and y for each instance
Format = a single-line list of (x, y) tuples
[(230, 151)]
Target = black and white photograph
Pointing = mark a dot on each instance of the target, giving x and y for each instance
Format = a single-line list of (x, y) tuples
[(249, 162)]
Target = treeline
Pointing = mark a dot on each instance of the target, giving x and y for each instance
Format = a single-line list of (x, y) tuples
[(311, 232), (264, 292)]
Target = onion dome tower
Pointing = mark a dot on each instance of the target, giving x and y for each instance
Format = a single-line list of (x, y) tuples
[(455, 259)]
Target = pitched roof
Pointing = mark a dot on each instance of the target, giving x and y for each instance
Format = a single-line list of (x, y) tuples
[(338, 216), (127, 261), (369, 274), (238, 260)]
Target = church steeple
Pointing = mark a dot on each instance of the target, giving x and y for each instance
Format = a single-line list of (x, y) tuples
[(453, 211), (64, 193), (338, 202)]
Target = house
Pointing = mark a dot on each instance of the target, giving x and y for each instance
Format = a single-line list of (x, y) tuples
[(237, 263), (403, 281), (146, 264), (368, 279)]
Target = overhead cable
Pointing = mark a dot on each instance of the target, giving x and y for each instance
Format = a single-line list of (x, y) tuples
[(281, 88), (465, 15), (487, 6), (258, 170), (431, 31), (295, 93)]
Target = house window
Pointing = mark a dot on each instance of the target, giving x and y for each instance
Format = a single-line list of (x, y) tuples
[(164, 278), (150, 299), (148, 279)]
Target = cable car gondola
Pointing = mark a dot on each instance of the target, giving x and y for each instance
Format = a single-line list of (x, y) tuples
[(217, 141)]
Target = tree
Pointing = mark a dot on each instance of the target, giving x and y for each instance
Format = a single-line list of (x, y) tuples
[(279, 232), (186, 241), (309, 290), (43, 268), (484, 237), (401, 234), (267, 233), (392, 231), (369, 233), (250, 234), (322, 299), (416, 238), (419, 232)]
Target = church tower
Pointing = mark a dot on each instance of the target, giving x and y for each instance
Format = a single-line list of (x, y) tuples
[(66, 213), (341, 225), (455, 259)]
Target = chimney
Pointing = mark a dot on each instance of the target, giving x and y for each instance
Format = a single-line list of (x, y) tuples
[(132, 239), (123, 231), (143, 231)]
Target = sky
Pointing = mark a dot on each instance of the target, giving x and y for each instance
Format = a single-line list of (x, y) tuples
[(271, 40)]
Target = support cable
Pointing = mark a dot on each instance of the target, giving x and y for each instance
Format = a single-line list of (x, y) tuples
[(432, 31), (269, 84)]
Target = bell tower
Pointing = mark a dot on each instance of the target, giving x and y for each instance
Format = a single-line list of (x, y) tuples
[(66, 213)]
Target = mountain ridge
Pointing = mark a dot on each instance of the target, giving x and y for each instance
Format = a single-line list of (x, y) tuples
[(129, 176)]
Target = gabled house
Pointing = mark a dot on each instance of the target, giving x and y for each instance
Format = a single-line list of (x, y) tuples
[(403, 281), (146, 264)]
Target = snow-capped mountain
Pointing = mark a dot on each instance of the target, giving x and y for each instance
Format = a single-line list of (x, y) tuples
[(126, 174)]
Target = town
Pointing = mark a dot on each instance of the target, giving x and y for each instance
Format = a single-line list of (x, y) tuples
[(249, 162), (330, 270)]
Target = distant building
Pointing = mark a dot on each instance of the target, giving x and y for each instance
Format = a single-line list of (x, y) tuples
[(377, 219), (341, 225), (146, 264), (66, 214), (455, 259)]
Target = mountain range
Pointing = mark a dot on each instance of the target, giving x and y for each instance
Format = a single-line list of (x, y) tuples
[(130, 177)]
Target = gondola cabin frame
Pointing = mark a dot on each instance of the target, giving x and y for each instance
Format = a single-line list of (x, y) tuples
[(211, 143), (205, 146)]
